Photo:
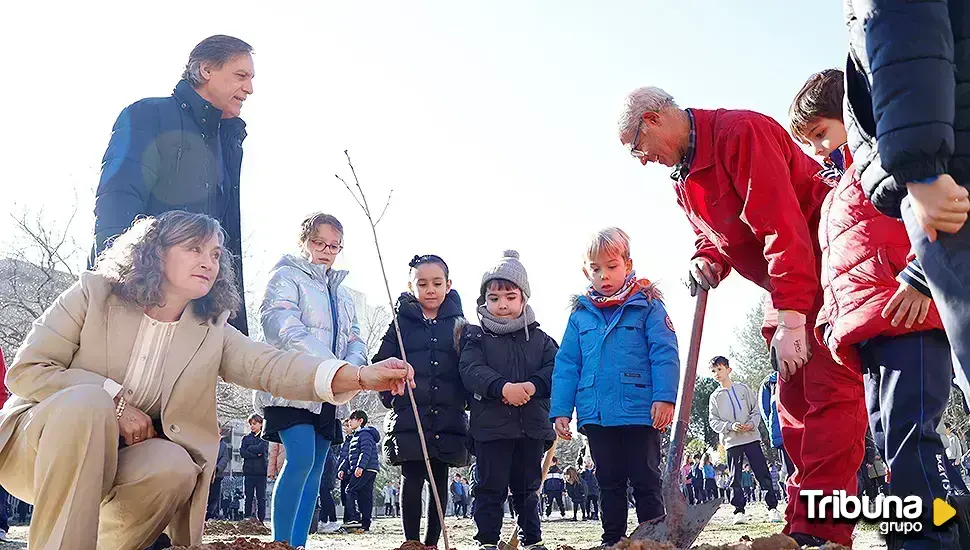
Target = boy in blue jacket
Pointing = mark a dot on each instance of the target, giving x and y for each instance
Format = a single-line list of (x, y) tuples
[(363, 465), (343, 462), (619, 368)]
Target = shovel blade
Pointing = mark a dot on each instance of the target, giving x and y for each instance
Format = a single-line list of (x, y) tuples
[(679, 529)]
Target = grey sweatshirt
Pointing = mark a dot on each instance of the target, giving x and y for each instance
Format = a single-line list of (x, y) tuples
[(737, 404)]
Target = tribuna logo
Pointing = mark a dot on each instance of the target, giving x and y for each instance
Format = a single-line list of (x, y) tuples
[(892, 513)]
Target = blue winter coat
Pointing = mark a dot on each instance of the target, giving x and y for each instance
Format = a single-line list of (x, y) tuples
[(769, 409), (363, 449), (164, 155), (612, 372), (343, 464), (907, 83)]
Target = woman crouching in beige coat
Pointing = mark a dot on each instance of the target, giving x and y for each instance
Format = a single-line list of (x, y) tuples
[(111, 431)]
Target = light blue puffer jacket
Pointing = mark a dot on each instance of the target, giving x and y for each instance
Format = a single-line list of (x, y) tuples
[(298, 313)]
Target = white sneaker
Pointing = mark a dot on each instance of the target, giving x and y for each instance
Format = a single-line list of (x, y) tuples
[(3, 535), (739, 517), (774, 516), (329, 527)]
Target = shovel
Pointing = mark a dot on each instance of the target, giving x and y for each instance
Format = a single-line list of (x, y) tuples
[(681, 524), (513, 543)]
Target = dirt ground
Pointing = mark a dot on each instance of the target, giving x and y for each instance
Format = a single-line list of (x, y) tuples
[(386, 534)]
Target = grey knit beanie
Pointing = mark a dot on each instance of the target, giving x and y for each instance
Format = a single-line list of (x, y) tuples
[(510, 269)]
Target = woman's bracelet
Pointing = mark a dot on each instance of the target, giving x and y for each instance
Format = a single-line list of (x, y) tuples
[(360, 383), (120, 407)]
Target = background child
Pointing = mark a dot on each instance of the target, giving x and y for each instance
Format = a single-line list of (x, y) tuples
[(305, 308), (553, 488), (255, 454), (343, 474), (364, 463), (710, 486), (576, 490), (506, 364), (687, 477), (735, 414), (878, 319), (592, 490), (430, 317), (623, 403)]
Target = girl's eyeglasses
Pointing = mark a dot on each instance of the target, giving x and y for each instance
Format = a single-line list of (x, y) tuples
[(332, 248)]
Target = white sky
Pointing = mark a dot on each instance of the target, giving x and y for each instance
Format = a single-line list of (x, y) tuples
[(493, 122)]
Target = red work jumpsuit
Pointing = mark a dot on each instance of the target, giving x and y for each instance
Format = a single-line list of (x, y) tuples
[(753, 198)]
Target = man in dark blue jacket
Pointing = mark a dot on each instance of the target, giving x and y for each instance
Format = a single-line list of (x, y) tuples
[(364, 463), (908, 122), (182, 152)]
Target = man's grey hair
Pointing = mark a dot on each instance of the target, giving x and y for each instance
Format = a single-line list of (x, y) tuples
[(215, 50), (639, 101)]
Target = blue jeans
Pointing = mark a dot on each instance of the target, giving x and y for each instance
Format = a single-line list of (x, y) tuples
[(298, 486)]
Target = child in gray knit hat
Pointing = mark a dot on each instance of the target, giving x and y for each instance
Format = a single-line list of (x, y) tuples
[(509, 296), (506, 364)]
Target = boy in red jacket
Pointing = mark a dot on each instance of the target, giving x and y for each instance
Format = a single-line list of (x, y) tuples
[(878, 316), (753, 198)]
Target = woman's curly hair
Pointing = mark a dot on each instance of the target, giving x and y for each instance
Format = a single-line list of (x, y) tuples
[(133, 262)]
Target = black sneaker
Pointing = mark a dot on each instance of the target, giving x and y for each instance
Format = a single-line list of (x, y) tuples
[(804, 539), (353, 525)]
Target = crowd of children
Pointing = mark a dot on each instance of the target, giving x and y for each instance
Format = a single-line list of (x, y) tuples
[(522, 389)]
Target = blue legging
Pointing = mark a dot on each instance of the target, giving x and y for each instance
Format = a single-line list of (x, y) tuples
[(298, 485)]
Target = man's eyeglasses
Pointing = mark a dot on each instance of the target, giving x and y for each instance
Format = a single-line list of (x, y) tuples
[(636, 141)]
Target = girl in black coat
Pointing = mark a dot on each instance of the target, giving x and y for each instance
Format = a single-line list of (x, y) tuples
[(430, 316), (577, 491)]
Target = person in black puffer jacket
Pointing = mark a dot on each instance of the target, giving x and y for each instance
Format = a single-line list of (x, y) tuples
[(592, 490), (255, 454), (364, 463), (577, 491), (907, 81), (430, 317), (506, 364)]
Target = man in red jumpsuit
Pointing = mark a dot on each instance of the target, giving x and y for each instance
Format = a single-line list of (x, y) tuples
[(753, 199)]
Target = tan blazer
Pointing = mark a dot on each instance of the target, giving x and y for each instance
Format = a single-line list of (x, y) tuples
[(88, 335)]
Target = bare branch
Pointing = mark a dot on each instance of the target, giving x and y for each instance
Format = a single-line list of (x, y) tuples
[(400, 340), (386, 204), (363, 197), (351, 192)]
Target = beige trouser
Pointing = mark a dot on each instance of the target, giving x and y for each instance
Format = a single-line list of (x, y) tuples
[(88, 494)]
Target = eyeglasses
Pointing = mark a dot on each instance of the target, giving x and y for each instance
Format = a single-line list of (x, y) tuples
[(332, 248), (636, 141)]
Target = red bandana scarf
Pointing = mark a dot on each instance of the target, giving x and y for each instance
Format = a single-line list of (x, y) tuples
[(631, 286)]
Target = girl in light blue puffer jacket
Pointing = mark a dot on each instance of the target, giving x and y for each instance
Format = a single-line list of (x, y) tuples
[(305, 308)]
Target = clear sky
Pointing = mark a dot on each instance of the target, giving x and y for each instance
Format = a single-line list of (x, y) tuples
[(493, 122)]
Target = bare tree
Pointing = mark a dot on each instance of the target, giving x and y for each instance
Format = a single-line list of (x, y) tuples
[(234, 401), (41, 261), (373, 325)]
